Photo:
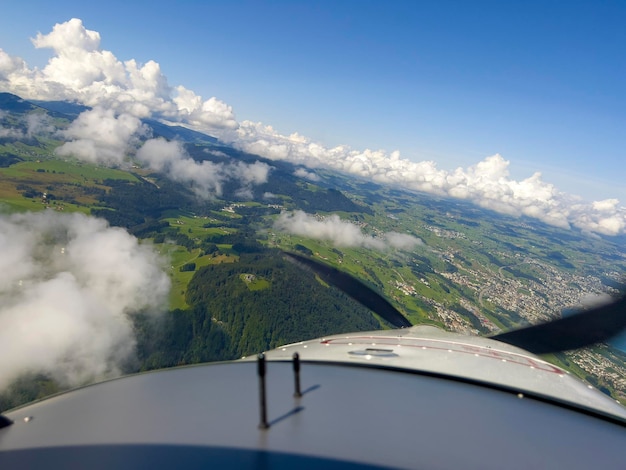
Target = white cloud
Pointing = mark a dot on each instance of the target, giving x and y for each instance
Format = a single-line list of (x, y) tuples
[(212, 113), (34, 125), (487, 184), (15, 74), (206, 178), (249, 174), (608, 205), (69, 38), (69, 285), (309, 175), (591, 300), (341, 233), (80, 70), (10, 133), (170, 158), (38, 124), (402, 241), (604, 220), (98, 136)]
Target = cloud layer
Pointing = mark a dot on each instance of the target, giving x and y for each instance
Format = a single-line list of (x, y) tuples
[(31, 125), (69, 285), (487, 184), (341, 233), (80, 70), (206, 178), (101, 137)]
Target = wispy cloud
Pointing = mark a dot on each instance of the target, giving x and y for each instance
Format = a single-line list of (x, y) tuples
[(11, 133), (309, 175), (341, 233), (206, 178), (69, 285), (487, 184), (28, 126), (99, 136), (80, 70)]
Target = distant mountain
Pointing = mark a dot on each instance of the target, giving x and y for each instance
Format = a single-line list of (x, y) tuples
[(178, 133), (15, 104), (72, 110), (66, 108)]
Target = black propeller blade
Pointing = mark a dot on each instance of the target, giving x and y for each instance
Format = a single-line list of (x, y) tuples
[(573, 332), (576, 331), (355, 289)]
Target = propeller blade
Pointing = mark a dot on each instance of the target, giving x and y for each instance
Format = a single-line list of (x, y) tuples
[(572, 332), (355, 289), (577, 331)]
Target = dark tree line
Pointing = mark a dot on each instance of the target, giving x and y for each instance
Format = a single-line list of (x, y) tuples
[(295, 306)]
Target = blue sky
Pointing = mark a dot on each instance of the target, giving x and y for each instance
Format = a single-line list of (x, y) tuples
[(541, 83)]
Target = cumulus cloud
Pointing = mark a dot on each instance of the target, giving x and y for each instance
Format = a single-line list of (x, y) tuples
[(80, 70), (99, 136), (69, 286), (15, 74), (341, 233), (212, 113), (487, 184), (206, 178), (309, 175)]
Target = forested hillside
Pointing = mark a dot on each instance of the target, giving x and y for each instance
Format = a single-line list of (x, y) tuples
[(264, 301), (238, 309)]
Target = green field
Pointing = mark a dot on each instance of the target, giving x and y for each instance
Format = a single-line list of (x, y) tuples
[(254, 282), (71, 184), (178, 256)]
